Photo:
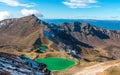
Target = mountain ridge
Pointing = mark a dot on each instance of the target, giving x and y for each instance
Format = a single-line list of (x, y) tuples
[(23, 34), (106, 24)]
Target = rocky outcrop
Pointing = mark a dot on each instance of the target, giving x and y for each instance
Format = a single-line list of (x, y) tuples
[(15, 65), (21, 33), (27, 33), (73, 36)]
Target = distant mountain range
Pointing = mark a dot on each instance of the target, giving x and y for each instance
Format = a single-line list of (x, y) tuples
[(29, 31), (106, 24), (81, 40)]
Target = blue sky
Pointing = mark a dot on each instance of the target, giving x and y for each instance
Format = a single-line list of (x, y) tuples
[(68, 9)]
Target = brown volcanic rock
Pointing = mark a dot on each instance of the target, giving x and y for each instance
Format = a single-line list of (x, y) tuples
[(28, 32), (115, 70), (4, 73), (82, 35), (20, 27), (92, 35), (21, 32)]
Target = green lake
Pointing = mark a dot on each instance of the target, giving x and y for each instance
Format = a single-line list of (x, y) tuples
[(57, 64)]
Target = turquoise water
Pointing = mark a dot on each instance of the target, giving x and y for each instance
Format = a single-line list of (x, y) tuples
[(57, 64), (106, 24)]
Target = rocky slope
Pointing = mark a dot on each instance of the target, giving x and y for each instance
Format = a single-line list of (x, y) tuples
[(15, 65), (77, 36), (23, 36), (81, 40), (86, 33), (21, 33), (114, 70)]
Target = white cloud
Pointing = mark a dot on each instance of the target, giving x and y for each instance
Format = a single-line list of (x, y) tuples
[(26, 12), (80, 3), (16, 3), (4, 15)]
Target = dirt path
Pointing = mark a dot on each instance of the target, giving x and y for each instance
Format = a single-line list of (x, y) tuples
[(97, 69)]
